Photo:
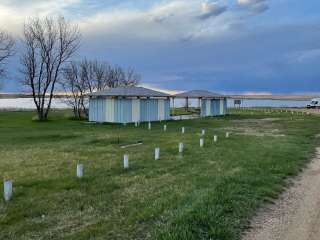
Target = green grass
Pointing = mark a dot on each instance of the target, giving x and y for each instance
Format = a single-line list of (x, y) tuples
[(209, 193), (184, 111)]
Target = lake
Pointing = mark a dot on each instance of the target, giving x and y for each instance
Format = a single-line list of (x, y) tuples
[(59, 103)]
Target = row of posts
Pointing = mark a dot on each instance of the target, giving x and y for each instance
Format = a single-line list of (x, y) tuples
[(7, 185)]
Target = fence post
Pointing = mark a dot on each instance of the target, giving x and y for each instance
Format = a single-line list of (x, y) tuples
[(157, 153), (125, 161), (201, 142), (7, 190), (79, 170), (181, 148)]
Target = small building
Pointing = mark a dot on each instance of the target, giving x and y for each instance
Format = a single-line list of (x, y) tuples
[(128, 104), (210, 104)]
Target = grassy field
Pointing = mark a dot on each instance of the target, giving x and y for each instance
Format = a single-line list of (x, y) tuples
[(184, 111), (209, 193)]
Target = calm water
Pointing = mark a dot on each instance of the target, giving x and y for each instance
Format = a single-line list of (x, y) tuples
[(270, 103), (27, 103)]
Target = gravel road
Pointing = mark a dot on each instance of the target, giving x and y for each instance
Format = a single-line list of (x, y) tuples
[(296, 214)]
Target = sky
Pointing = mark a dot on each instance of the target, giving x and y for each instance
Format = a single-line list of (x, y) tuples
[(226, 46)]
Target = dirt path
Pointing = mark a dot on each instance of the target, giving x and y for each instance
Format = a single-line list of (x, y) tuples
[(296, 215)]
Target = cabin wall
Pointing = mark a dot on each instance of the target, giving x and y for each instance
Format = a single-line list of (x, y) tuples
[(213, 107), (128, 110)]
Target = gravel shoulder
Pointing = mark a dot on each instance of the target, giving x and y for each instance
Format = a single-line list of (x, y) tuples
[(296, 214)]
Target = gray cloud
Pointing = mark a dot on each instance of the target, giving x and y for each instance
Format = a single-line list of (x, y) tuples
[(212, 10), (253, 60), (181, 45), (250, 2), (260, 8), (254, 6)]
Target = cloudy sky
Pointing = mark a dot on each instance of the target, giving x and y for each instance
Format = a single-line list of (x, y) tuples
[(223, 46)]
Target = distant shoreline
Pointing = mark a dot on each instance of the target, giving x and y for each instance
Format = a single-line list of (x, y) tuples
[(242, 97), (25, 95), (273, 97)]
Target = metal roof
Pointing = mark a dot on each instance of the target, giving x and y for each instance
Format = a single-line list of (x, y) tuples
[(198, 94), (129, 92)]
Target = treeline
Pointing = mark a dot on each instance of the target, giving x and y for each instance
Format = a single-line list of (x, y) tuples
[(87, 76), (48, 48)]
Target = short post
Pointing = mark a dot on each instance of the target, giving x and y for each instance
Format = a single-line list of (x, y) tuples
[(215, 138), (182, 130), (7, 190), (149, 125), (79, 170), (136, 124), (201, 142), (227, 134), (157, 153), (165, 128), (203, 132), (125, 161), (181, 148)]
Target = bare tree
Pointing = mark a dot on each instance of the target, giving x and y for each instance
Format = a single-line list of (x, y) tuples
[(6, 50), (75, 87), (49, 43), (130, 78), (87, 76)]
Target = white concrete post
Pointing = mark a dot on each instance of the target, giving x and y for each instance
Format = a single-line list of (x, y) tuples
[(165, 128), (149, 125), (227, 134), (182, 130), (79, 170), (203, 132), (201, 142), (157, 153), (7, 190), (215, 138), (126, 161), (181, 147), (136, 124)]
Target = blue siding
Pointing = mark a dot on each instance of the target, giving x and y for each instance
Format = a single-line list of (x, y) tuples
[(167, 109), (123, 110), (91, 110), (215, 107), (100, 106), (203, 108), (149, 110), (153, 109), (143, 110), (127, 110)]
